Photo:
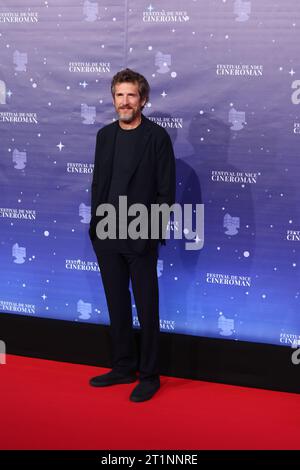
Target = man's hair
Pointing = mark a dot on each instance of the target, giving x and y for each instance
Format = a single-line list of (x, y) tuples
[(128, 75)]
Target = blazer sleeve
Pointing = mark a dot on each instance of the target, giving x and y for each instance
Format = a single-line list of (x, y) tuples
[(166, 178), (95, 179), (94, 187)]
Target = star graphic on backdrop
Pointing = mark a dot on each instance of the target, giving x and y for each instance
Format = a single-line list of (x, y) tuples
[(60, 146)]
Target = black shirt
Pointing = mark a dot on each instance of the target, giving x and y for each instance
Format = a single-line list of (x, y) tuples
[(125, 145), (122, 163)]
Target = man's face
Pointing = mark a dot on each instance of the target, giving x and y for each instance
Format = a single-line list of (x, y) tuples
[(127, 101)]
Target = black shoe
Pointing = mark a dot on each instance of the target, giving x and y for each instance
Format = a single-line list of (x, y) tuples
[(145, 390), (112, 378)]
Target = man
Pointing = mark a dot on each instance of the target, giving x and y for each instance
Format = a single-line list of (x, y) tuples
[(134, 158)]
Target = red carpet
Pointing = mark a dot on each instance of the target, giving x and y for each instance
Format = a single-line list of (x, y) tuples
[(49, 405)]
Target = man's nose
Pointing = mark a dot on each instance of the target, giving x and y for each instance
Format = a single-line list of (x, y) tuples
[(125, 101)]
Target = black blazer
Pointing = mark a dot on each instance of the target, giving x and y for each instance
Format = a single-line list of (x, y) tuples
[(152, 178)]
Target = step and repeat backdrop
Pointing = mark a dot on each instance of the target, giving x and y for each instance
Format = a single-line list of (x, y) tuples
[(225, 84)]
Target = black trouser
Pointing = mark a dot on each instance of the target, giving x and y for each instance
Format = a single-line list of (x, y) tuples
[(116, 271)]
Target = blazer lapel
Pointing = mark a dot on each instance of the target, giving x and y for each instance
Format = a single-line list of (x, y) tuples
[(140, 147)]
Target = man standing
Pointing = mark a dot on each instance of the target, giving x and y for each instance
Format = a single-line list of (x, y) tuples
[(134, 158)]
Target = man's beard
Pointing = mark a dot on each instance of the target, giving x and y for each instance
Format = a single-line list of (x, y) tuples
[(128, 116)]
